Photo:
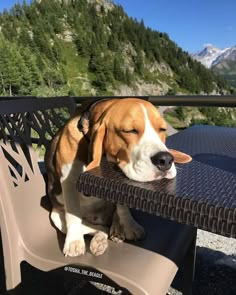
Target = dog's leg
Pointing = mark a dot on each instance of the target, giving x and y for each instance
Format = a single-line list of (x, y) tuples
[(58, 218), (74, 242), (99, 242), (124, 226), (75, 229)]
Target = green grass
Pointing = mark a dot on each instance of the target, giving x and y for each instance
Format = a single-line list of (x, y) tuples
[(42, 150), (76, 69), (174, 122)]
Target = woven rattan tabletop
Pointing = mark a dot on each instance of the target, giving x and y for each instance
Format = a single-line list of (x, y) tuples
[(203, 194)]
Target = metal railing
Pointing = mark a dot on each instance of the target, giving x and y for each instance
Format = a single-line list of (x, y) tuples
[(162, 100), (177, 100)]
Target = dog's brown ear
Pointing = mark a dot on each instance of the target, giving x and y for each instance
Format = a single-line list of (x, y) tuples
[(96, 147), (179, 157)]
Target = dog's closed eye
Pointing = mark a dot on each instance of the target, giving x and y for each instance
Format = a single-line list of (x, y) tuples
[(134, 131), (162, 129)]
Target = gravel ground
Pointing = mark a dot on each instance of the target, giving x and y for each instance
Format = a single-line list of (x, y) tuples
[(215, 272), (216, 242)]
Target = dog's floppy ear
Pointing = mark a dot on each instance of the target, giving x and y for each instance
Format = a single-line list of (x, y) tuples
[(96, 147), (179, 157)]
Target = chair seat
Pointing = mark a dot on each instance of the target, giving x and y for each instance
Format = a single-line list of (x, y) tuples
[(153, 260)]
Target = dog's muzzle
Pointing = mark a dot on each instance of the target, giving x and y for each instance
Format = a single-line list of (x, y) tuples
[(163, 161)]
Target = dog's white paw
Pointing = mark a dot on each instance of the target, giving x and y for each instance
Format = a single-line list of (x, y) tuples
[(99, 244), (130, 231), (74, 248)]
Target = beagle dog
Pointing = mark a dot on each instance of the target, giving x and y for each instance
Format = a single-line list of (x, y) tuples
[(129, 132)]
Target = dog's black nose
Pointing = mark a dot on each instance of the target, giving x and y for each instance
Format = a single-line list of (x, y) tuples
[(163, 160)]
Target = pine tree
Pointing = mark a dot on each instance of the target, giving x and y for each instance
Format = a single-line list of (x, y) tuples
[(25, 39), (100, 82), (53, 78), (34, 76), (128, 77), (13, 70), (138, 63), (42, 42), (113, 42), (9, 29), (117, 68), (57, 51), (95, 62), (82, 41)]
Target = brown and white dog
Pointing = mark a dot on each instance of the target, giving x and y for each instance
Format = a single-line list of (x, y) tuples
[(131, 133)]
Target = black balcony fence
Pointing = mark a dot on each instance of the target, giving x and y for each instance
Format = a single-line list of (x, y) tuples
[(162, 100)]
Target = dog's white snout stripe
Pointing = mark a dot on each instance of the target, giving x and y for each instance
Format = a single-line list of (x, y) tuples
[(150, 137)]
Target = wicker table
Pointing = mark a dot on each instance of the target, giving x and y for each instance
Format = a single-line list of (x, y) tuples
[(203, 194)]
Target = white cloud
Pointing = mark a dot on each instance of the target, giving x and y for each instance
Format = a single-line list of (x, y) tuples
[(207, 44)]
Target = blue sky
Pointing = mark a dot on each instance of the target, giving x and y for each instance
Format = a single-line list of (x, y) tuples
[(190, 23)]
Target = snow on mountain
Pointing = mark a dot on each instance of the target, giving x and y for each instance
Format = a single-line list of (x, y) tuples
[(209, 55), (229, 54), (221, 61)]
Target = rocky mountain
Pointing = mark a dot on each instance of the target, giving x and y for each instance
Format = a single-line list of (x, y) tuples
[(227, 69), (89, 47), (227, 54), (210, 56), (221, 61)]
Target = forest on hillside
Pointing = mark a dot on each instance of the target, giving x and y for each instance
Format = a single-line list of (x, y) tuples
[(49, 47)]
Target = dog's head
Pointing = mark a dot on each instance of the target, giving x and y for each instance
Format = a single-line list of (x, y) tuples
[(132, 134)]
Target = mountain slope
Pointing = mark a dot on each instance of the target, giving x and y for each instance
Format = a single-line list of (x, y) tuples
[(227, 54), (91, 46), (209, 55), (227, 69)]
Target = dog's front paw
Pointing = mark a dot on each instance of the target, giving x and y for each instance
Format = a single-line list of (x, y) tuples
[(74, 248), (131, 231), (99, 244)]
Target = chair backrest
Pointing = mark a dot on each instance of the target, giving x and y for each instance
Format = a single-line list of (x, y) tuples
[(26, 126), (33, 121), (22, 187)]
